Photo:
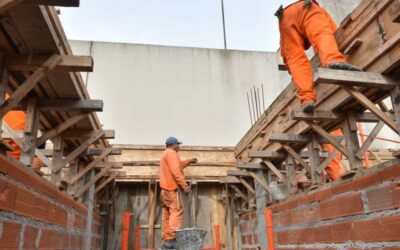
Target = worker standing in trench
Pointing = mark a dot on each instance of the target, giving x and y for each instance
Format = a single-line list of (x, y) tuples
[(304, 24), (171, 180)]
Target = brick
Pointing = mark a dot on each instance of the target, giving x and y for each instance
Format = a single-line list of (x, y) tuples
[(315, 196), (40, 209), (8, 193), (391, 173), (25, 202), (30, 235), (379, 199), (244, 240), (312, 214), (253, 215), (255, 239), (395, 193), (346, 205), (10, 235), (358, 183)]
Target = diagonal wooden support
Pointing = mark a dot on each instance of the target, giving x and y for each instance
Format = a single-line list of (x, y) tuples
[(314, 161), (350, 130), (79, 150), (240, 193), (297, 157), (29, 84), (319, 130), (108, 180), (353, 78), (278, 173), (92, 181), (326, 162), (247, 185), (374, 133), (90, 166), (260, 181), (60, 128), (363, 100)]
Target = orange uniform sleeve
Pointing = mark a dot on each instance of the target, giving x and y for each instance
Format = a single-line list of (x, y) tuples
[(185, 163), (175, 165)]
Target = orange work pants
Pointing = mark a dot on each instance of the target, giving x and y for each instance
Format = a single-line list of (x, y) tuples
[(299, 28), (172, 213), (334, 169)]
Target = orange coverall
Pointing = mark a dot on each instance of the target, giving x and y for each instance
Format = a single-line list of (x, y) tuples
[(334, 169), (301, 27), (171, 178)]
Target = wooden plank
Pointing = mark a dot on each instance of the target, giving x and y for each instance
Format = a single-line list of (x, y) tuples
[(8, 4), (260, 181), (297, 157), (326, 162), (250, 166), (238, 173), (314, 161), (374, 133), (353, 78), (62, 3), (266, 155), (287, 138), (30, 133), (60, 128), (151, 213), (58, 152), (327, 136), (229, 180), (99, 151), (79, 150), (363, 100), (275, 170), (395, 99), (31, 62), (317, 115), (291, 174), (29, 84), (84, 133), (352, 145), (247, 185), (90, 166), (93, 180), (51, 105), (108, 180)]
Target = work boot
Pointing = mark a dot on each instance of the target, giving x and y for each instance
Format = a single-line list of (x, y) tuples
[(343, 66), (308, 107), (169, 244)]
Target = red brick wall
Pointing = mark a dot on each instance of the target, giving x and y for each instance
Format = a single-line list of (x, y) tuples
[(248, 231), (363, 213), (34, 214)]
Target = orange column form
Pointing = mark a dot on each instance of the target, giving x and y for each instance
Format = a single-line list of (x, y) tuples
[(270, 229), (217, 238), (126, 220), (137, 238)]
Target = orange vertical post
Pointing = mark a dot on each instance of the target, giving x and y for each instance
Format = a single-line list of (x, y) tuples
[(270, 229), (137, 238), (126, 220), (217, 237)]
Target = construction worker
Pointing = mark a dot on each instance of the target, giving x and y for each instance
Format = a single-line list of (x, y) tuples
[(334, 169), (304, 24), (171, 180)]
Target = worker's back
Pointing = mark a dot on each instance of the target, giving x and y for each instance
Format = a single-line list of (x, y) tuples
[(170, 163)]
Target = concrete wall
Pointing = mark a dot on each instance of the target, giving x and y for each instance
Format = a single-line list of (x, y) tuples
[(199, 95)]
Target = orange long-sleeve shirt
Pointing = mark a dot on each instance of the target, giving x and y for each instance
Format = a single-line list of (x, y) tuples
[(171, 170)]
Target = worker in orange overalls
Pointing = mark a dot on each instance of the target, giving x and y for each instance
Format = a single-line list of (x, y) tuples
[(171, 179), (304, 24), (334, 169)]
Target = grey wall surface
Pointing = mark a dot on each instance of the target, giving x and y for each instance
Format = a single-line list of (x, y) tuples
[(199, 95)]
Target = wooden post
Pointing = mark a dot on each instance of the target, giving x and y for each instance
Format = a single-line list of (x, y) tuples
[(262, 197), (193, 203), (352, 145), (3, 88), (313, 149), (72, 171), (89, 201), (291, 174), (395, 97), (58, 152), (151, 213), (30, 133)]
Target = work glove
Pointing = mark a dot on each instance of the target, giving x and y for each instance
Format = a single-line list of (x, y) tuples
[(193, 161), (308, 3)]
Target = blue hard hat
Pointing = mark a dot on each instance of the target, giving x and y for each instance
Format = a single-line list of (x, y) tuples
[(172, 140)]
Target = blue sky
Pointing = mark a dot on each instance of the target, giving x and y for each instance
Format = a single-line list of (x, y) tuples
[(250, 24)]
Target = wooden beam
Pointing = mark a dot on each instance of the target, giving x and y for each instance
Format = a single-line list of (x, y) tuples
[(374, 133), (93, 180), (29, 84), (229, 180), (353, 78), (291, 174), (363, 100), (90, 166), (60, 128), (108, 180), (64, 105), (84, 133), (247, 185), (238, 173), (271, 155), (260, 181), (275, 170), (98, 151), (287, 138), (328, 137), (8, 4), (62, 3), (350, 130), (79, 150), (240, 193), (297, 157), (314, 161), (31, 62), (152, 203), (326, 162), (250, 166), (58, 152), (317, 115), (30, 133)]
